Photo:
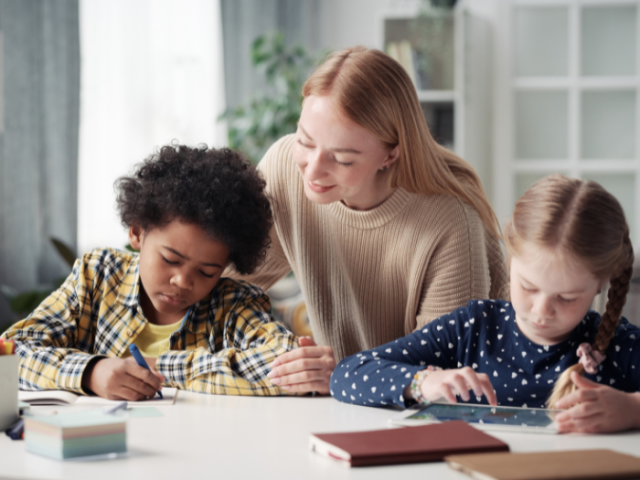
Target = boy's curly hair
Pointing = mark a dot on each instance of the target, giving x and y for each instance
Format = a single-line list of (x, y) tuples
[(216, 189)]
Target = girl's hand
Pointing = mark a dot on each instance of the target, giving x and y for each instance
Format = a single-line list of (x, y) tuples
[(446, 383), (122, 379), (305, 369), (595, 408)]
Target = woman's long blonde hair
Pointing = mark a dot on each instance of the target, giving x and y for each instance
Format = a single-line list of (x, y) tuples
[(374, 91), (583, 221)]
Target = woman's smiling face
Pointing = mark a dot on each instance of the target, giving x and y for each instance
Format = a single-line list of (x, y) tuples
[(338, 159)]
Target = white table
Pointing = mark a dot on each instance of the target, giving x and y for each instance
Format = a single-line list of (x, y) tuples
[(218, 437)]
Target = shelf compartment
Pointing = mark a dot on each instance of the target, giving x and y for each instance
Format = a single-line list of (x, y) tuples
[(609, 40), (541, 41), (608, 125), (541, 124)]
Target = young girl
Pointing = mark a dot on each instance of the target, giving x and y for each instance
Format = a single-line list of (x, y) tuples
[(567, 237)]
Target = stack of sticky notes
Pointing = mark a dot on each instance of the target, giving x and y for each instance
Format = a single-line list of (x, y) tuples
[(75, 434)]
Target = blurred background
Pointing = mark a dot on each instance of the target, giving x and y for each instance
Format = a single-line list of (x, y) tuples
[(89, 88)]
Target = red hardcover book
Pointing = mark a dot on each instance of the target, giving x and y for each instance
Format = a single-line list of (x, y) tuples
[(428, 443)]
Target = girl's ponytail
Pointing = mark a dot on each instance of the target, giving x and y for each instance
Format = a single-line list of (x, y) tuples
[(616, 298), (579, 219)]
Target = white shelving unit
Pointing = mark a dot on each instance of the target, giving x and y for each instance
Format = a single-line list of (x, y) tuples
[(431, 38), (457, 103), (570, 68)]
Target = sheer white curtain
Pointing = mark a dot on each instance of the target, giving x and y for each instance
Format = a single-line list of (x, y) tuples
[(151, 72)]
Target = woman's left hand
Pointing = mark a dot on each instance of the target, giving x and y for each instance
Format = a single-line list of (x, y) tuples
[(596, 408), (305, 369)]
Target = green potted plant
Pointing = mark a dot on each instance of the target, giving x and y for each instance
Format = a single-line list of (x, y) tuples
[(255, 126)]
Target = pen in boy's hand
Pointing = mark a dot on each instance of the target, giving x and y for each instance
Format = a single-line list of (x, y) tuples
[(140, 360)]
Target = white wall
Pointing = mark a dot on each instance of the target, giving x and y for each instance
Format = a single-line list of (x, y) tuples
[(352, 22), (151, 73)]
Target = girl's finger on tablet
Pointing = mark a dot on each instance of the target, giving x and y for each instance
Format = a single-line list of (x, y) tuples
[(460, 385), (446, 392)]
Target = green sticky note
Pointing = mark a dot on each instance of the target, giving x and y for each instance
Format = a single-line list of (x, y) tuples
[(143, 412)]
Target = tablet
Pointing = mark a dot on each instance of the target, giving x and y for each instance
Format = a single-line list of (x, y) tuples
[(484, 417)]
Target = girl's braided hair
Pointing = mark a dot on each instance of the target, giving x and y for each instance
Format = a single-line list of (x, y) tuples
[(581, 220)]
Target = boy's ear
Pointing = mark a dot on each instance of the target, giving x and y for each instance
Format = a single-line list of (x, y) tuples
[(135, 236)]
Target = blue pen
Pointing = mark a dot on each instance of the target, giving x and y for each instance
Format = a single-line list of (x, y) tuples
[(140, 359), (16, 430), (115, 408)]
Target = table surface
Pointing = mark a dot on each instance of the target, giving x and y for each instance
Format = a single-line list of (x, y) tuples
[(209, 436)]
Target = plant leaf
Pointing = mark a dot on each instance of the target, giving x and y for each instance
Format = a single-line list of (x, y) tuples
[(27, 302), (8, 291), (65, 251)]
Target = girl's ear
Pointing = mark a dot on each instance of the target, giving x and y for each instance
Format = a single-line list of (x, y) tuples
[(135, 236)]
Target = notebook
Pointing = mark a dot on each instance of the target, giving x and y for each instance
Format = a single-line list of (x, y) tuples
[(428, 443), (75, 434), (560, 465), (62, 397)]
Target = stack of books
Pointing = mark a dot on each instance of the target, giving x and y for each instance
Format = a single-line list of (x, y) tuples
[(75, 434)]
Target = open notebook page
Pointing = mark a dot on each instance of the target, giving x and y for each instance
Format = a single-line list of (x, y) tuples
[(62, 397)]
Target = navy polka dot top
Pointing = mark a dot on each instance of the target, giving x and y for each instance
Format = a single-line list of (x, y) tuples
[(484, 336)]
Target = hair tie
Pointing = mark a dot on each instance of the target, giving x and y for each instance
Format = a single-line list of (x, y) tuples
[(590, 358)]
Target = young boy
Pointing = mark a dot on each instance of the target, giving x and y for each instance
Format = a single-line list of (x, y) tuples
[(190, 213)]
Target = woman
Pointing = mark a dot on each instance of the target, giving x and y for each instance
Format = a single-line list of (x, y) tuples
[(384, 229)]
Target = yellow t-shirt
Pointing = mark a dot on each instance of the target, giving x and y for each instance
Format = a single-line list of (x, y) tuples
[(153, 340)]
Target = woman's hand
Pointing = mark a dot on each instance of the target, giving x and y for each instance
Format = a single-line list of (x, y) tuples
[(305, 369), (122, 379), (448, 383), (595, 408)]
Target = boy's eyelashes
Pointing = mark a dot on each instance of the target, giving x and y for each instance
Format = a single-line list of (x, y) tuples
[(176, 263), (168, 261)]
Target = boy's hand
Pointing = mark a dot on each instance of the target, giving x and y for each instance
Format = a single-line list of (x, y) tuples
[(122, 379), (448, 383), (305, 369), (596, 408)]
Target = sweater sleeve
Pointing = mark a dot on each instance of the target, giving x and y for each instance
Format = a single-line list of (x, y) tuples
[(276, 265), (459, 269), (380, 375)]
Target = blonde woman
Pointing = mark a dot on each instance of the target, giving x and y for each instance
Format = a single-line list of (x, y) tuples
[(384, 229)]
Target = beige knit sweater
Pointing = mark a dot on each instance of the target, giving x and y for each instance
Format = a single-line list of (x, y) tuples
[(369, 277)]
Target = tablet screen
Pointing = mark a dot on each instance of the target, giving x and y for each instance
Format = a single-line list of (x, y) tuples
[(521, 417)]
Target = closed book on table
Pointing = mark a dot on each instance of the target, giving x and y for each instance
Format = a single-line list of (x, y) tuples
[(427, 443), (562, 465)]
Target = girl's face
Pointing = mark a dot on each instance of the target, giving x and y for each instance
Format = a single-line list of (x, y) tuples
[(339, 159), (550, 294), (179, 265)]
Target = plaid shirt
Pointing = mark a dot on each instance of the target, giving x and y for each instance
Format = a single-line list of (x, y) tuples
[(224, 344)]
